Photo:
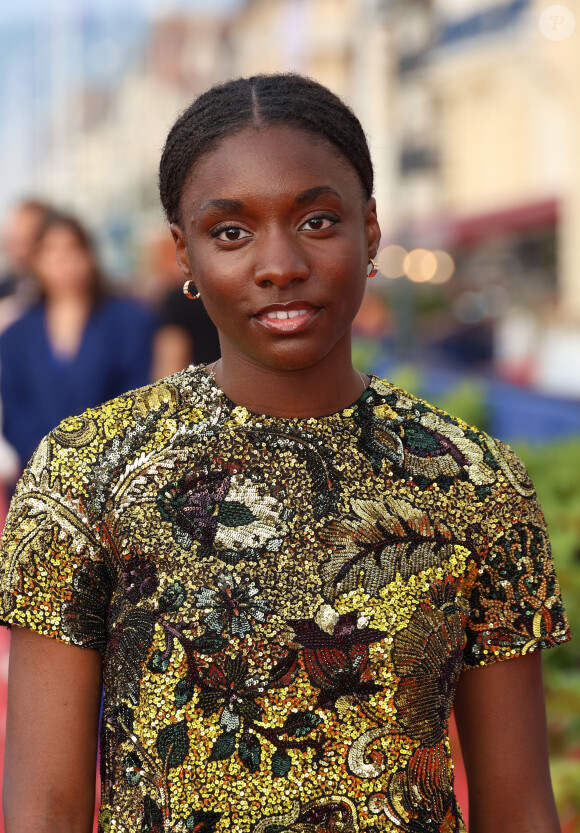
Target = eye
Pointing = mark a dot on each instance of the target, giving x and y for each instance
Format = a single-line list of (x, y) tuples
[(229, 234), (319, 222)]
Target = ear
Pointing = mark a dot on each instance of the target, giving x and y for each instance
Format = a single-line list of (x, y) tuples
[(372, 228), (181, 254)]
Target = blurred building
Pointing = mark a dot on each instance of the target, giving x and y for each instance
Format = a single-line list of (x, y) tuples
[(488, 117), (473, 117)]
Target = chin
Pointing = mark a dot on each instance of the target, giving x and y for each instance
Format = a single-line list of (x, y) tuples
[(289, 364), (291, 354)]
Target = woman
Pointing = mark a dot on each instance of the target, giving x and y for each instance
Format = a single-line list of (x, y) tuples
[(77, 347), (284, 570)]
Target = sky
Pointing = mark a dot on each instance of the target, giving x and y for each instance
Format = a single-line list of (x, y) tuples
[(25, 10)]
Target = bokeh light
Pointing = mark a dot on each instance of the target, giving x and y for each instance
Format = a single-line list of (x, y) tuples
[(445, 267), (391, 261), (420, 265)]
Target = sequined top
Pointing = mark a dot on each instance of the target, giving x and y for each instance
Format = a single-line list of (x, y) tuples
[(284, 606)]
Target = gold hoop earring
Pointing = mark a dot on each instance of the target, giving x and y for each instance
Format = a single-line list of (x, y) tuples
[(188, 289), (372, 268)]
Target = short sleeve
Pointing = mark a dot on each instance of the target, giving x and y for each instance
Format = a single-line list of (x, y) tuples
[(55, 575), (515, 602)]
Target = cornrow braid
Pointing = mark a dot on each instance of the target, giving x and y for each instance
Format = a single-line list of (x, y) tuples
[(262, 100)]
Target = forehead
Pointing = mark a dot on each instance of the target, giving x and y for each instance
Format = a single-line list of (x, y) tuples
[(60, 234), (23, 220), (272, 160)]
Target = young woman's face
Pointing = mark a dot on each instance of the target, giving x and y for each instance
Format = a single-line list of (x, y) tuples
[(61, 263), (276, 236)]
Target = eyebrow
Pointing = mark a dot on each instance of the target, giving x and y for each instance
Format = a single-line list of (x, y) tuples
[(223, 205), (229, 205), (311, 193)]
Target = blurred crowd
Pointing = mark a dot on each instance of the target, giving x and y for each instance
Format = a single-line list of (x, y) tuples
[(69, 339)]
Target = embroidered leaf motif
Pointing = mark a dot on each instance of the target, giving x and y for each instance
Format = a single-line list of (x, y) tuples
[(173, 744), (233, 513), (133, 635), (378, 439), (183, 693), (419, 440), (283, 672), (172, 597), (250, 752), (92, 597), (132, 768), (223, 747), (378, 540), (159, 663), (324, 476), (281, 764), (152, 817), (301, 724), (249, 709), (209, 643), (210, 702)]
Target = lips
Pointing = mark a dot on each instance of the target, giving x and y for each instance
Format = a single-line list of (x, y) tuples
[(287, 318)]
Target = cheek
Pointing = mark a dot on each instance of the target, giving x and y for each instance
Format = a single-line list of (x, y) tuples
[(220, 298), (221, 280), (80, 266), (350, 258), (351, 280), (74, 267), (47, 266)]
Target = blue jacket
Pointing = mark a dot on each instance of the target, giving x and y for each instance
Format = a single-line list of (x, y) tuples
[(39, 388)]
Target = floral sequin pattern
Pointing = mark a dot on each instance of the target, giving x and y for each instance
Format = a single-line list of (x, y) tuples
[(518, 613), (377, 541), (232, 605), (335, 653), (284, 606), (428, 658), (333, 814), (226, 513)]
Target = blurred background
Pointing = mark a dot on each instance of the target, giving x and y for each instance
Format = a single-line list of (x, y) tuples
[(472, 109)]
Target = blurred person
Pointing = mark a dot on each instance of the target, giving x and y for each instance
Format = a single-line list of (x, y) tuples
[(374, 319), (186, 334), (17, 287), (17, 291), (76, 347), (372, 330)]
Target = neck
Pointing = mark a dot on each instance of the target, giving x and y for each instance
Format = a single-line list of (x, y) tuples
[(68, 300), (322, 389), (66, 317)]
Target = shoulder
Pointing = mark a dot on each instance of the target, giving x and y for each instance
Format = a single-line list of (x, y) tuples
[(442, 448), (27, 321), (96, 445), (128, 311), (151, 403)]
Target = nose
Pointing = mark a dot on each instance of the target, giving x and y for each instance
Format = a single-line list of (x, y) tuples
[(280, 260)]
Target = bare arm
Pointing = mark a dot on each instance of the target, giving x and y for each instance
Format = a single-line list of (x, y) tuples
[(501, 719), (54, 695)]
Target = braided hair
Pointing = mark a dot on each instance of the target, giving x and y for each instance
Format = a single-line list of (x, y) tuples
[(259, 101)]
